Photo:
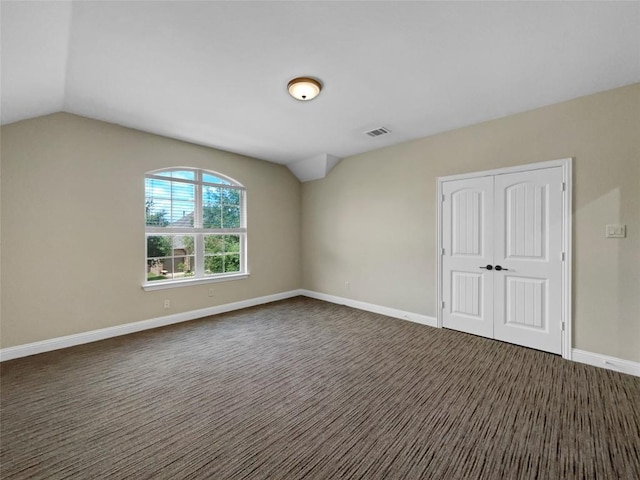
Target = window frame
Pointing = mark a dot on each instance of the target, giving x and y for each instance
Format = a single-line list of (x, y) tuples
[(198, 231)]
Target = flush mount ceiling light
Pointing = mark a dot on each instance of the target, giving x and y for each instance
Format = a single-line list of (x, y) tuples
[(304, 88)]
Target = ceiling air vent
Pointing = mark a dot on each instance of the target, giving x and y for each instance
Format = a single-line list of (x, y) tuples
[(376, 132)]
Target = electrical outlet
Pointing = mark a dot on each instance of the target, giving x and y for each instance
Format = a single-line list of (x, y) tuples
[(615, 231), (167, 304), (211, 291)]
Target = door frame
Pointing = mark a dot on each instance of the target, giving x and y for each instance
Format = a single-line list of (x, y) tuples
[(566, 164)]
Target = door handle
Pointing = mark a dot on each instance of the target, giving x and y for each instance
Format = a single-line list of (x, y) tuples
[(489, 267), (498, 268)]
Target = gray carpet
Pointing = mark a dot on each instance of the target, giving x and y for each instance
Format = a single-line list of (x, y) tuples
[(306, 389)]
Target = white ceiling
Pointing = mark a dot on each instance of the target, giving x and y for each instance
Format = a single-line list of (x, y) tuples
[(215, 73)]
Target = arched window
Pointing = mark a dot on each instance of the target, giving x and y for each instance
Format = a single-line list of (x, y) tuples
[(195, 227)]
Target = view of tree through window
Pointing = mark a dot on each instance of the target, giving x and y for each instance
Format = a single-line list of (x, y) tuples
[(195, 225)]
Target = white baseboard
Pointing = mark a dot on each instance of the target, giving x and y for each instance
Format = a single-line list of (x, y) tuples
[(94, 335), (370, 307), (605, 361), (581, 356)]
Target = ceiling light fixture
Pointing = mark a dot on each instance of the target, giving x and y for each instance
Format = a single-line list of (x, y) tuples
[(304, 88)]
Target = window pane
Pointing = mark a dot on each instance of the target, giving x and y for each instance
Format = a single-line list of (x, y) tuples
[(189, 266), (183, 174), (211, 217), (182, 204), (183, 191), (232, 263), (183, 214), (230, 196), (208, 178), (213, 264), (211, 196), (183, 247), (232, 243), (213, 244), (155, 217), (159, 246), (163, 205), (157, 269), (183, 266), (184, 243), (157, 188), (211, 211), (230, 217), (157, 202)]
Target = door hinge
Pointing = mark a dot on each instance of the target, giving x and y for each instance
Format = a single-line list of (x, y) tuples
[(563, 326), (443, 304), (443, 251), (564, 186), (563, 256), (442, 197)]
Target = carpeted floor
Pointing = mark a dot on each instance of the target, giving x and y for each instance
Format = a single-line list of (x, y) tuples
[(306, 389)]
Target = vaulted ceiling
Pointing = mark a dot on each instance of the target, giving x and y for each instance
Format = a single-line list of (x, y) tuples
[(215, 73)]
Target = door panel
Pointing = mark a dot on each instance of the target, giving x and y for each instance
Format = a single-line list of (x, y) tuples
[(525, 205), (467, 232), (466, 293), (526, 302), (528, 243)]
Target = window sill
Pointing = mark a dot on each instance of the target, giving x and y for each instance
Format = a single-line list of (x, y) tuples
[(193, 281)]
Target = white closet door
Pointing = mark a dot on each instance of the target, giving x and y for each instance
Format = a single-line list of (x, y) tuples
[(467, 237), (511, 223), (528, 247)]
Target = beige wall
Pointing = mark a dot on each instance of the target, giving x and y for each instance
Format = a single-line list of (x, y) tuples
[(372, 220), (73, 200)]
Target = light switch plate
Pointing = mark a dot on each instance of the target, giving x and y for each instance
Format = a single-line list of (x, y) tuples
[(615, 231)]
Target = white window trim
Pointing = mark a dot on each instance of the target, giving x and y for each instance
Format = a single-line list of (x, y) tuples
[(147, 286), (200, 277)]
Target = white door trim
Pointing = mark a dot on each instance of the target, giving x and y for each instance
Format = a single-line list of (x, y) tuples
[(566, 164)]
